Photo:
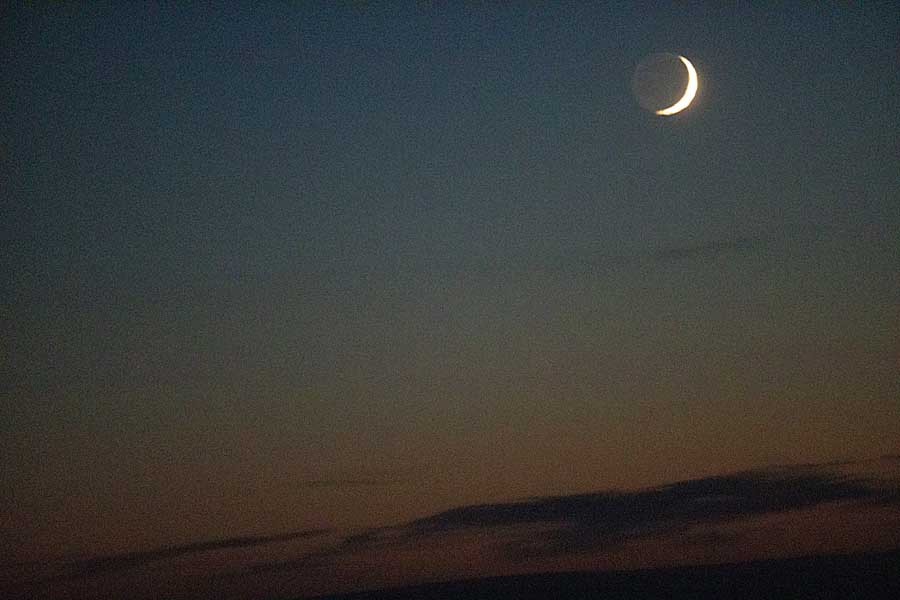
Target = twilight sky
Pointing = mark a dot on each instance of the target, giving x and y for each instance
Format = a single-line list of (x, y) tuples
[(271, 270)]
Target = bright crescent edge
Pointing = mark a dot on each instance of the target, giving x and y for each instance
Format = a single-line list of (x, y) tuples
[(689, 92)]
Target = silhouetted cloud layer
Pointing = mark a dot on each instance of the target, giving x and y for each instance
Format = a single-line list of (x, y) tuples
[(584, 523), (587, 522)]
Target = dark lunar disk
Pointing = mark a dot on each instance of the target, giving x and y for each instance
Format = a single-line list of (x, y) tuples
[(659, 81)]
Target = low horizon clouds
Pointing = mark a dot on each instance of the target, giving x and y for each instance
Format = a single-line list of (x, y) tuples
[(583, 523), (569, 524)]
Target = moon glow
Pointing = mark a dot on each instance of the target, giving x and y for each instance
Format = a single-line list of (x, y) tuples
[(689, 92), (660, 86)]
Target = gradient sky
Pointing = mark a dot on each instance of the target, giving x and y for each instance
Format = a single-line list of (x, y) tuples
[(284, 268)]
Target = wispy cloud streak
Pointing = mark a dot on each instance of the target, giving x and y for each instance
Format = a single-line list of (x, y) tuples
[(708, 250), (336, 483), (117, 562)]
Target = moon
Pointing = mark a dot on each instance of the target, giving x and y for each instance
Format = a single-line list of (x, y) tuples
[(689, 92), (660, 86)]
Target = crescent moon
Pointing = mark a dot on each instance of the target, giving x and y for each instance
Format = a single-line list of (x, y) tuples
[(689, 92)]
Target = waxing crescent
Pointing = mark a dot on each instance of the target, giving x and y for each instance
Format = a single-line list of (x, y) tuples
[(689, 92)]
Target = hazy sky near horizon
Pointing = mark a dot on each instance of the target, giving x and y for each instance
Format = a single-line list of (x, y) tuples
[(281, 268)]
